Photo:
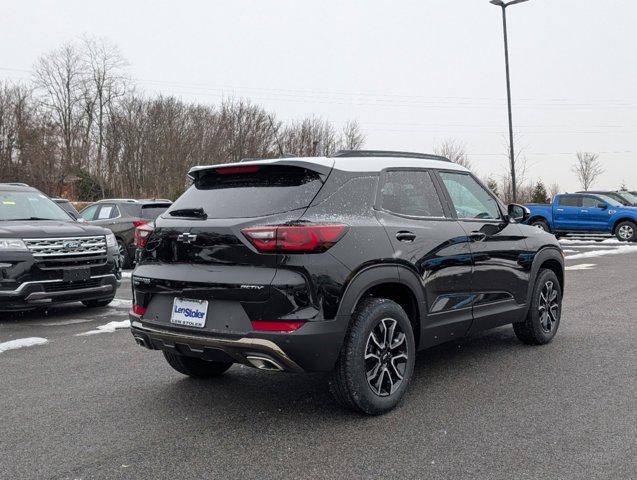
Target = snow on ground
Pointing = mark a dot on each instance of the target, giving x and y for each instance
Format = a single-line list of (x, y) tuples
[(127, 274), (581, 266), (21, 343), (584, 241), (110, 327), (600, 253), (120, 302)]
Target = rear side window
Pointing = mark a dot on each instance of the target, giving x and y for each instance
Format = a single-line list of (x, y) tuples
[(410, 193), (570, 201), (251, 191), (107, 211)]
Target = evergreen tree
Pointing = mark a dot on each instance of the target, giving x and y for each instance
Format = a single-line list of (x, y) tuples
[(539, 194)]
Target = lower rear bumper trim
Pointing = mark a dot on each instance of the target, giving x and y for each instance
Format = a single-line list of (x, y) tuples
[(239, 349)]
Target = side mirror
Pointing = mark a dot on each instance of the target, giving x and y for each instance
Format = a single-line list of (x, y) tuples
[(518, 213), (603, 206)]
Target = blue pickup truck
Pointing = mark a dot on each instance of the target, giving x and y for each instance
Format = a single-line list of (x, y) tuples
[(585, 213)]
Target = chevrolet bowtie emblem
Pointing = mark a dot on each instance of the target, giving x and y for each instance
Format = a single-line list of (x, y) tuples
[(186, 237)]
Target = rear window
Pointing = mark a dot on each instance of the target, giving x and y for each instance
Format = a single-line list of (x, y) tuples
[(251, 191), (570, 201), (151, 212)]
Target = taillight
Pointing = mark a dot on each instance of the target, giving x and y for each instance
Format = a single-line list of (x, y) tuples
[(313, 238), (139, 223), (142, 233), (137, 310), (267, 326)]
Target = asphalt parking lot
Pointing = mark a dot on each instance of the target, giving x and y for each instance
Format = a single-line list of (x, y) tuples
[(89, 403)]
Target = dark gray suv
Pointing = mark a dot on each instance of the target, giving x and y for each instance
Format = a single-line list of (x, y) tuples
[(122, 217)]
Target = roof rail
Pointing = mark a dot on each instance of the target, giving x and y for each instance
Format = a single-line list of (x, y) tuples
[(387, 153), (14, 184)]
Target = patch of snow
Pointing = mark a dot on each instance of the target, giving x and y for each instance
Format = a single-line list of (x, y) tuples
[(21, 343), (120, 302), (110, 327), (127, 274), (589, 241), (601, 253), (569, 251), (582, 266)]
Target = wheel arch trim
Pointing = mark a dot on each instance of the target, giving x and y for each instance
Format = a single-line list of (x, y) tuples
[(375, 275)]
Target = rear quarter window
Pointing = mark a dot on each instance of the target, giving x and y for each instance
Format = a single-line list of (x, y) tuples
[(251, 192)]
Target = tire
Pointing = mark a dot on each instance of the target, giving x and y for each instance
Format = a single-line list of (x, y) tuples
[(626, 232), (97, 303), (123, 252), (541, 224), (349, 384), (542, 319), (196, 367)]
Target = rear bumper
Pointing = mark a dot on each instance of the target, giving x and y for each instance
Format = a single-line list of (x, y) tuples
[(314, 347), (45, 292)]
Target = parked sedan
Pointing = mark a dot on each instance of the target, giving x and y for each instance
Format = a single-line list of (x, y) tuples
[(122, 216)]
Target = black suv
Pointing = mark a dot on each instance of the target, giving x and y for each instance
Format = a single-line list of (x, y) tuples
[(47, 257), (348, 264)]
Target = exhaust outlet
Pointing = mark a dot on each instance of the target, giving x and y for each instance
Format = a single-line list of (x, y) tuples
[(264, 363), (141, 342)]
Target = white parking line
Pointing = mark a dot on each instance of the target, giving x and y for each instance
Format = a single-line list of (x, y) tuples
[(21, 343)]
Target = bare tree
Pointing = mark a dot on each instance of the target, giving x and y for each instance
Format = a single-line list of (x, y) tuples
[(454, 150), (60, 78), (554, 189), (106, 84), (587, 168), (351, 136)]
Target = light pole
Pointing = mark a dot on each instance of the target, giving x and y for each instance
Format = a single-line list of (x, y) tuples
[(504, 6)]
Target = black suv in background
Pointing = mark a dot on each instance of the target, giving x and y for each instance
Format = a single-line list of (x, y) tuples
[(47, 257), (348, 264), (627, 199), (122, 216)]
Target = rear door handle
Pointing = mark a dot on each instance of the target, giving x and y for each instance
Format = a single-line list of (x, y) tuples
[(405, 236), (477, 236)]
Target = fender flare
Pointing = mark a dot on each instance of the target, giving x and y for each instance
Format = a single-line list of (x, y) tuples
[(376, 275), (546, 253)]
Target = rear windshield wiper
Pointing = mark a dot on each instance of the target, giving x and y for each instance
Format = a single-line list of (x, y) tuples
[(189, 212)]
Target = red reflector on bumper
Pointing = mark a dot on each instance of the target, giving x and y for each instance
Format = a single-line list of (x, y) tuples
[(266, 326), (137, 310)]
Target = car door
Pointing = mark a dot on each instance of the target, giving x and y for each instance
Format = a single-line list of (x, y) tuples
[(498, 248), (593, 217), (566, 214), (431, 243)]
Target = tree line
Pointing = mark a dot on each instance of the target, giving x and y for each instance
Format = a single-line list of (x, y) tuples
[(80, 128)]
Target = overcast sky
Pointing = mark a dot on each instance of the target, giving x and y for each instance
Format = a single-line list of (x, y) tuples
[(411, 72)]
